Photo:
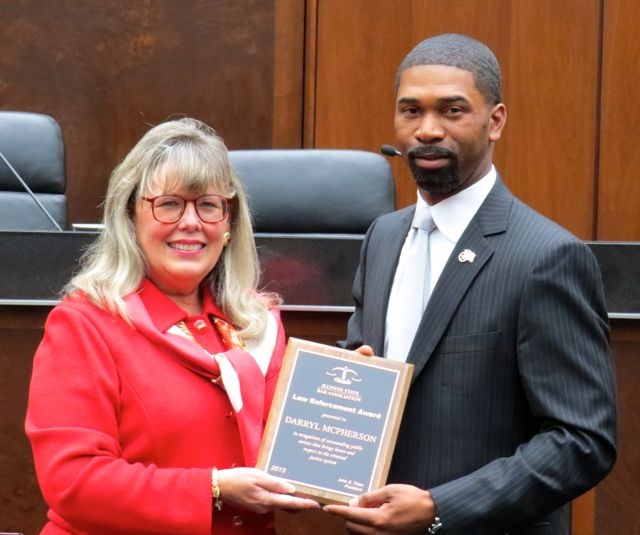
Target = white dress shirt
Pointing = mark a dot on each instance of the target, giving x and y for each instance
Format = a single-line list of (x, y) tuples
[(451, 217)]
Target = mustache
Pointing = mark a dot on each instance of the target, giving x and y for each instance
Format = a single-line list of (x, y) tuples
[(426, 150)]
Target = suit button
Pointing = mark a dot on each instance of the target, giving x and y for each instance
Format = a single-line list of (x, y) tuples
[(237, 521)]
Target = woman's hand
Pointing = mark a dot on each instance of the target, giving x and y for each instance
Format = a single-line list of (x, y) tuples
[(256, 491)]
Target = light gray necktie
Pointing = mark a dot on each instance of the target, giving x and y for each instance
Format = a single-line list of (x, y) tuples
[(411, 287)]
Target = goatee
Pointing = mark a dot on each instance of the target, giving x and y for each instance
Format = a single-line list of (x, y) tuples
[(438, 181)]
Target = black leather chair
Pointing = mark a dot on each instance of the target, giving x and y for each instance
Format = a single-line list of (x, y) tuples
[(311, 209), (315, 191), (32, 144)]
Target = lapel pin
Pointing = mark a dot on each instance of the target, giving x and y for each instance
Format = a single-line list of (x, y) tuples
[(466, 256)]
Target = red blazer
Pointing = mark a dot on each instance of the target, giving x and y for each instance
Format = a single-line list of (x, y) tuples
[(125, 423)]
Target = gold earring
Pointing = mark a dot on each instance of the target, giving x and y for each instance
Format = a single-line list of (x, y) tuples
[(226, 238)]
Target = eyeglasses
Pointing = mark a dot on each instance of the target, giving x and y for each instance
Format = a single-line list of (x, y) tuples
[(170, 208)]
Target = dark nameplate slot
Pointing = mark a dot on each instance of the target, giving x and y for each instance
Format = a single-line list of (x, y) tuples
[(311, 270), (307, 270), (37, 265), (620, 265)]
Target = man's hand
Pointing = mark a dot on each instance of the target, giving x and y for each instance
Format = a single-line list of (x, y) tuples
[(367, 351), (391, 509), (254, 490)]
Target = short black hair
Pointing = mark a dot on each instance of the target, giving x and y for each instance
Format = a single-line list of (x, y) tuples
[(455, 50)]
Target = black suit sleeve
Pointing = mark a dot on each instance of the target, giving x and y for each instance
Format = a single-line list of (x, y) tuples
[(565, 369), (355, 329)]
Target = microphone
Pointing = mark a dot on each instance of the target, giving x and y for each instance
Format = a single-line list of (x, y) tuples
[(28, 190), (390, 150)]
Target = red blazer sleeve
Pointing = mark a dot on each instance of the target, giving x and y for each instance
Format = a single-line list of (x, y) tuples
[(72, 424)]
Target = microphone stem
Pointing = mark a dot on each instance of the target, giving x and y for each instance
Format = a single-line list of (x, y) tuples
[(28, 190), (390, 150)]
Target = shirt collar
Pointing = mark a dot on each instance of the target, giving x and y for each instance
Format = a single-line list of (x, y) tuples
[(164, 312), (453, 214)]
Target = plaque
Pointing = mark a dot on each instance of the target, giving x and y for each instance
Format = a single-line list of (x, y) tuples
[(334, 421)]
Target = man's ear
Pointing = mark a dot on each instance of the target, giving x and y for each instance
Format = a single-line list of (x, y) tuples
[(498, 119)]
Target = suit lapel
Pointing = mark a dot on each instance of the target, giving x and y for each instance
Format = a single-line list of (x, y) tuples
[(457, 276)]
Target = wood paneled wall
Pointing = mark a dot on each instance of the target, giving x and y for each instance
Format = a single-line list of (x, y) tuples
[(616, 506), (108, 69), (22, 508), (619, 157), (320, 73), (549, 53)]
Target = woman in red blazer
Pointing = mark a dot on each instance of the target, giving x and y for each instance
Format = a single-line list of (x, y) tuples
[(153, 381)]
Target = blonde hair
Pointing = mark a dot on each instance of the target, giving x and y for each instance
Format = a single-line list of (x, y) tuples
[(195, 158)]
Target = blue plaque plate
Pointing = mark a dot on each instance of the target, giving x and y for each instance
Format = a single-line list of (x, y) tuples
[(334, 421)]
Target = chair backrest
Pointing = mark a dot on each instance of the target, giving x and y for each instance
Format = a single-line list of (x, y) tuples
[(32, 143), (315, 191)]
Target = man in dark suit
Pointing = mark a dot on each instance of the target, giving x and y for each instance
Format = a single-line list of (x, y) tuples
[(511, 410)]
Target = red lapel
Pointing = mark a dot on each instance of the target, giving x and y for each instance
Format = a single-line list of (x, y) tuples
[(252, 382)]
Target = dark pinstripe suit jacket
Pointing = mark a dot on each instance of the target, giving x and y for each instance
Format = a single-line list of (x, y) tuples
[(511, 411)]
